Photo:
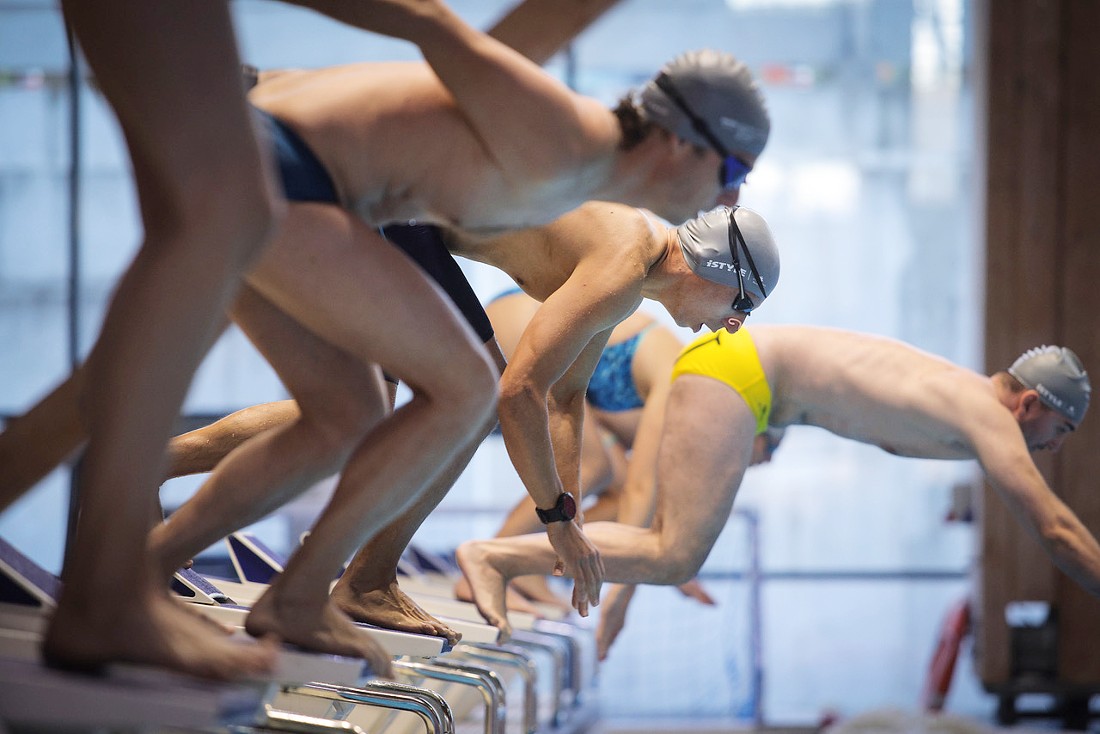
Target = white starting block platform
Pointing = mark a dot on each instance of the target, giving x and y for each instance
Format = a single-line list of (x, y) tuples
[(124, 697), (534, 685)]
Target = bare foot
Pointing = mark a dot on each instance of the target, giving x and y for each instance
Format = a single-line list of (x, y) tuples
[(487, 585), (150, 629), (212, 624), (514, 600), (694, 590), (320, 628), (390, 608)]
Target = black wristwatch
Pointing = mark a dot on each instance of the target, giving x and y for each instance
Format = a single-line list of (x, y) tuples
[(564, 509)]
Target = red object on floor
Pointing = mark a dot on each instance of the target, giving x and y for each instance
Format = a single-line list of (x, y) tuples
[(956, 625)]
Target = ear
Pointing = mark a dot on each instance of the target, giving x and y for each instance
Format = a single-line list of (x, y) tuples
[(684, 146), (733, 324), (1030, 404)]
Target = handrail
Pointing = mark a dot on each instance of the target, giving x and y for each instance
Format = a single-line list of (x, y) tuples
[(485, 680), (432, 709), (513, 656)]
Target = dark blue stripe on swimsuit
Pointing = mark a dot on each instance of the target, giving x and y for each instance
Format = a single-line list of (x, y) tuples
[(426, 246), (303, 176)]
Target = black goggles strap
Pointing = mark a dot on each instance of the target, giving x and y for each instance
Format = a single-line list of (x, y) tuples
[(697, 123), (748, 256)]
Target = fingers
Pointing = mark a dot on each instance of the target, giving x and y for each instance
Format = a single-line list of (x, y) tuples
[(593, 578), (586, 584), (580, 601), (587, 580), (606, 633), (576, 554), (594, 573)]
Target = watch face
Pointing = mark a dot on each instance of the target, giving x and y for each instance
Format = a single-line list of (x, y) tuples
[(568, 506), (564, 509)]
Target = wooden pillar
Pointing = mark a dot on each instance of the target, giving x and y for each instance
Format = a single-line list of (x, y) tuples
[(1042, 132)]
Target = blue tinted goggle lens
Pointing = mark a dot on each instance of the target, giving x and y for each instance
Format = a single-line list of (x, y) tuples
[(733, 172)]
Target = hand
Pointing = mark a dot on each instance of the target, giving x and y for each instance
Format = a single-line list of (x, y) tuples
[(612, 618), (581, 559), (694, 590)]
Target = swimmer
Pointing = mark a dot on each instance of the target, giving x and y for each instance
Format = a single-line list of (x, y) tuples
[(728, 388), (168, 72), (628, 389)]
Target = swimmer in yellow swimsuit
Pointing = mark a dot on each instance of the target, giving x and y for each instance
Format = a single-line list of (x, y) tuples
[(732, 359), (867, 388)]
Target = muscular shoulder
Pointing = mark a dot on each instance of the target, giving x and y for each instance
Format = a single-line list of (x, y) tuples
[(606, 227)]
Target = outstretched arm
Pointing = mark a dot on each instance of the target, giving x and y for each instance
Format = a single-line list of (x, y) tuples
[(1012, 473), (542, 433), (542, 398), (531, 124)]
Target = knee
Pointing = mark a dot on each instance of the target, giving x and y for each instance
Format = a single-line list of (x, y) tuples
[(477, 389), (246, 221), (465, 390), (257, 223), (340, 426), (227, 211), (679, 565)]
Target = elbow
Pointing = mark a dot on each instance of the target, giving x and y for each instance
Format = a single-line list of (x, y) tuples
[(1061, 540), (1073, 550), (569, 402), (518, 397)]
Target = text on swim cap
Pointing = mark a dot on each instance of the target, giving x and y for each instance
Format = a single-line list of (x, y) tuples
[(721, 265), (724, 266)]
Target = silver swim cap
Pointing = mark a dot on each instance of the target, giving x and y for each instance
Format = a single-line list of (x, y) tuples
[(719, 89), (1058, 376), (705, 243)]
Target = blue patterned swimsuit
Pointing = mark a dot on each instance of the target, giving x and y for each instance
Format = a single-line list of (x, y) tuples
[(612, 385)]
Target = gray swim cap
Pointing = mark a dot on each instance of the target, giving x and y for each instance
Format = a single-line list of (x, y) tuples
[(719, 89), (1058, 376), (705, 243)]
